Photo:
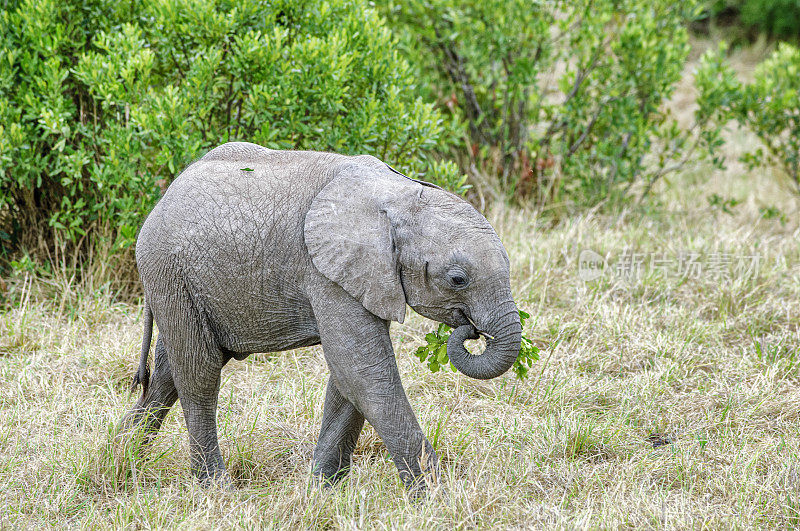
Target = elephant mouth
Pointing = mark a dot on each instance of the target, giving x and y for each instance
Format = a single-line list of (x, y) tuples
[(502, 348), (454, 318), (462, 318), (484, 334), (458, 318)]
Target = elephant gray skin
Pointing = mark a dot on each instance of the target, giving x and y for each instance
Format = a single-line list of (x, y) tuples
[(255, 250)]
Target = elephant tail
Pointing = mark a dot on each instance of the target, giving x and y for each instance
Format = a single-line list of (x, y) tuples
[(142, 375)]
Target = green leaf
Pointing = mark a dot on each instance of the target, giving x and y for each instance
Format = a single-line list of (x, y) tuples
[(441, 355), (435, 351)]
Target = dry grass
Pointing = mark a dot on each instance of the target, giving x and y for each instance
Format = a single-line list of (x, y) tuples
[(710, 363)]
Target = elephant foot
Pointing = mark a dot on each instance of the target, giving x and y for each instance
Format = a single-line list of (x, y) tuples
[(135, 430), (328, 475), (418, 487), (423, 478), (136, 419), (209, 469), (219, 479)]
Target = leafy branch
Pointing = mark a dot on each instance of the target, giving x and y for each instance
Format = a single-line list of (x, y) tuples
[(434, 352)]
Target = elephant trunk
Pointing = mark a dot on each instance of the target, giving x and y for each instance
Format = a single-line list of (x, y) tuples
[(502, 348)]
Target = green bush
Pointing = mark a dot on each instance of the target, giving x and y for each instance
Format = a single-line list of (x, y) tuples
[(769, 106), (102, 103), (778, 18), (775, 18), (562, 101)]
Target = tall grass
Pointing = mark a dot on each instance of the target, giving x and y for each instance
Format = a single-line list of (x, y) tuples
[(708, 366)]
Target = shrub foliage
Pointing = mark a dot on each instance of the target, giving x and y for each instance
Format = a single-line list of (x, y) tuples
[(768, 106), (775, 18), (562, 100), (103, 102)]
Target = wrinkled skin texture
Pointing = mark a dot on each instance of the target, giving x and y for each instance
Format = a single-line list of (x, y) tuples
[(312, 248)]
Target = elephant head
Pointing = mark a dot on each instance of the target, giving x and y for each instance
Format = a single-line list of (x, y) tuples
[(390, 241)]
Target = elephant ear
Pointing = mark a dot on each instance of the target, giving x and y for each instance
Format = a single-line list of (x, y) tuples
[(349, 236)]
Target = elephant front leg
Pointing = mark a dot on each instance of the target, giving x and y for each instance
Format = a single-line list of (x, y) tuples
[(359, 353), (373, 386), (341, 426)]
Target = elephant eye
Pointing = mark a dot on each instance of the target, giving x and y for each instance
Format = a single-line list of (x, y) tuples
[(458, 279)]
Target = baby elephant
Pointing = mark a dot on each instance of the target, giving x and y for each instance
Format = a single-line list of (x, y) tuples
[(256, 250)]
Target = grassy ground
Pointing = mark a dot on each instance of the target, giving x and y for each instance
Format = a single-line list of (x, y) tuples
[(668, 393), (707, 361)]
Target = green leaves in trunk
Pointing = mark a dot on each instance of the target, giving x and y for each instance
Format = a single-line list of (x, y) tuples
[(435, 351)]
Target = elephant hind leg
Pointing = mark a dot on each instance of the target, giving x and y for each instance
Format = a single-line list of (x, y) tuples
[(196, 364), (152, 407), (341, 426)]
